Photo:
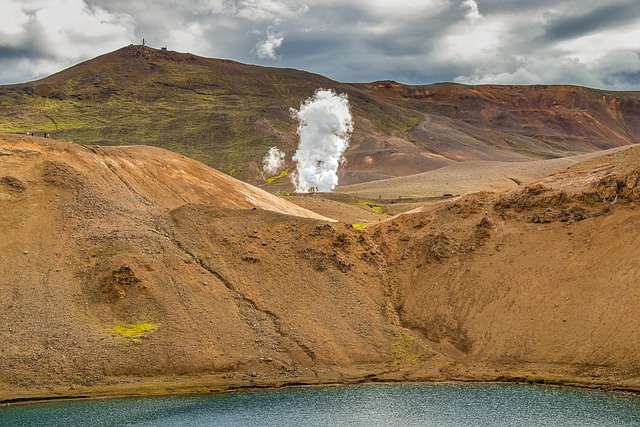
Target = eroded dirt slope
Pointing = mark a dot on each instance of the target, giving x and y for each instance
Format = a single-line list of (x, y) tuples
[(542, 279), (235, 282), (234, 287)]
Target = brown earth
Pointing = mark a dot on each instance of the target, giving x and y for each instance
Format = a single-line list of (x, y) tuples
[(243, 288), (542, 278), (242, 285), (464, 178)]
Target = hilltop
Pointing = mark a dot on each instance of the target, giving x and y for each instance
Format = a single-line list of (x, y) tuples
[(227, 115), (137, 270)]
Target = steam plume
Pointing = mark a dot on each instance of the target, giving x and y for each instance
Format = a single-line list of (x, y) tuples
[(324, 128), (273, 161)]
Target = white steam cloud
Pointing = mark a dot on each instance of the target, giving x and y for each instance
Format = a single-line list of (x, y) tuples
[(324, 128), (273, 161)]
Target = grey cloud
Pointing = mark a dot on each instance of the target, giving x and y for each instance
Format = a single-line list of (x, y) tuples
[(151, 21), (626, 80), (354, 41), (31, 50), (307, 45), (29, 44), (398, 46), (510, 6), (416, 37), (617, 70), (608, 16)]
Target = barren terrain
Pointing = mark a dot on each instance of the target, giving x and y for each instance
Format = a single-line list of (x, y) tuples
[(130, 270)]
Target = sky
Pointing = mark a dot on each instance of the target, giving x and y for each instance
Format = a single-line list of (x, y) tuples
[(584, 42)]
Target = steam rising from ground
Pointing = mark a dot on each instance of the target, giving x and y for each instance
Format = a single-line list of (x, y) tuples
[(273, 161), (324, 128)]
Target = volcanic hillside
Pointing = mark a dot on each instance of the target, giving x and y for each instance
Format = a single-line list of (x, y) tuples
[(132, 269), (228, 114), (542, 279)]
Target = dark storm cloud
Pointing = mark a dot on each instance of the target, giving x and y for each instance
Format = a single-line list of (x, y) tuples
[(23, 51), (416, 37), (605, 17)]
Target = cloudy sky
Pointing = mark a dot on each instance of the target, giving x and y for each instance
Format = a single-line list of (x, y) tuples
[(586, 42)]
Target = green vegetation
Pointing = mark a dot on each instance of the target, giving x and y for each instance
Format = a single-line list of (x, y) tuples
[(539, 379), (134, 330), (359, 225), (404, 348), (373, 206), (281, 175)]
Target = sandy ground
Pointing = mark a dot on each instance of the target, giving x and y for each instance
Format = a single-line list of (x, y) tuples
[(465, 178)]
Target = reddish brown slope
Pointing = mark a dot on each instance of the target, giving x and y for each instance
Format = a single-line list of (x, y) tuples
[(531, 120), (227, 114)]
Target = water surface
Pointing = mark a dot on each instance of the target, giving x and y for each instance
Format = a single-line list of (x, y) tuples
[(364, 405)]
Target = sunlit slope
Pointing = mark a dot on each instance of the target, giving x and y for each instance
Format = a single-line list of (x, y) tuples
[(541, 279), (137, 270)]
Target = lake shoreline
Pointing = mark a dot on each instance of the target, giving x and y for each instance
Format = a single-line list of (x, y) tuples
[(197, 385)]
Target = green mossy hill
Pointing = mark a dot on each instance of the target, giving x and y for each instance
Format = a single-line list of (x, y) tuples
[(220, 112), (227, 114)]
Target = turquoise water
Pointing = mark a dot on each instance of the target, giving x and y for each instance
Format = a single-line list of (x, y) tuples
[(365, 405)]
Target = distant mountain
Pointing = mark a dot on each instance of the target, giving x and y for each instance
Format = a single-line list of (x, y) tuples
[(228, 114)]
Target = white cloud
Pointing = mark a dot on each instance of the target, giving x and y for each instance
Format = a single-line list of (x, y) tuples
[(476, 42), (72, 26), (473, 13), (577, 41), (13, 18), (264, 10), (392, 10), (191, 38), (40, 37), (593, 47), (562, 70), (266, 48)]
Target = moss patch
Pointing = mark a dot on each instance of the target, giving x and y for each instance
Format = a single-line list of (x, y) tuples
[(281, 175), (405, 348), (371, 205), (134, 330), (359, 225)]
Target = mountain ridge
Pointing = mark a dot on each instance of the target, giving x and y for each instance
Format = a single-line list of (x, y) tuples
[(229, 114)]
